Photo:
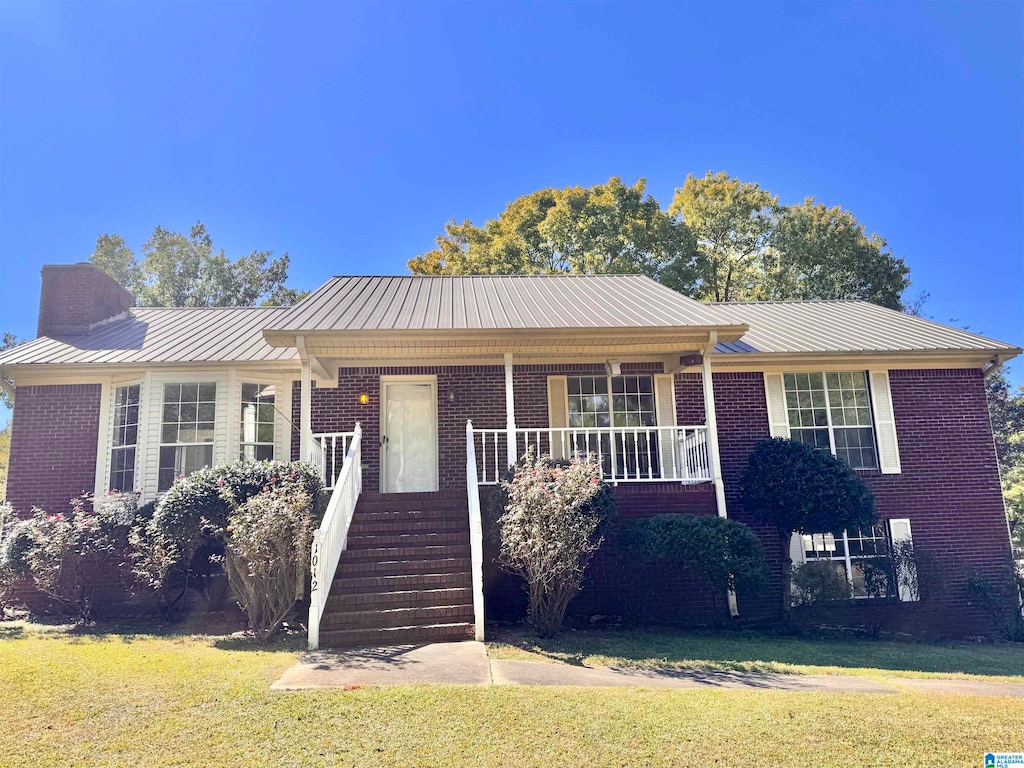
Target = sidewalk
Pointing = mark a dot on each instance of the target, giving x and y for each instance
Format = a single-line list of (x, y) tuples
[(467, 663)]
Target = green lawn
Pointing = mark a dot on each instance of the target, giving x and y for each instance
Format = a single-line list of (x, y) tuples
[(144, 700), (764, 653)]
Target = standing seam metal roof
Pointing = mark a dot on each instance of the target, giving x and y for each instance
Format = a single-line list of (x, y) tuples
[(495, 302)]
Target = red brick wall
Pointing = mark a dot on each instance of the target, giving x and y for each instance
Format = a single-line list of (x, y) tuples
[(53, 445)]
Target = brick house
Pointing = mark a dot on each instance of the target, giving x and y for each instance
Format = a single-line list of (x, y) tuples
[(412, 394)]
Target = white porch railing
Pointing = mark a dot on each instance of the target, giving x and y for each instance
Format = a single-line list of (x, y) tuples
[(331, 538), (476, 532), (626, 454), (325, 448)]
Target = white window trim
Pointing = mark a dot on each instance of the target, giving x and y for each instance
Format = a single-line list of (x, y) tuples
[(235, 431), (217, 420), (828, 415), (611, 394), (847, 559)]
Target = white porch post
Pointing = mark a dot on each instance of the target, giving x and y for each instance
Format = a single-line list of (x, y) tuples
[(510, 412), (306, 405), (716, 460)]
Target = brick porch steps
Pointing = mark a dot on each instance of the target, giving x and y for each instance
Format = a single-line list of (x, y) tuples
[(405, 574)]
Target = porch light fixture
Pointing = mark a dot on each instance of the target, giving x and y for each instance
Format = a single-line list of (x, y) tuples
[(613, 367), (363, 398)]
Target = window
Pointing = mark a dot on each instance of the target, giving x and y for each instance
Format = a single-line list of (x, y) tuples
[(186, 432), (257, 422), (125, 438), (862, 555), (599, 402), (833, 411)]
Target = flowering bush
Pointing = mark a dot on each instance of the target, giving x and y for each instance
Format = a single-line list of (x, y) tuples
[(268, 541), (181, 545), (67, 554), (550, 529), (12, 546)]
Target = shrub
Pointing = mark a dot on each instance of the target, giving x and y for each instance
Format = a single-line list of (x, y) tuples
[(550, 529), (67, 554), (12, 548), (268, 542), (721, 554), (815, 582), (999, 599), (180, 546), (799, 489)]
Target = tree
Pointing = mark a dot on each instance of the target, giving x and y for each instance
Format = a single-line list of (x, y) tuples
[(749, 247), (732, 223), (8, 341), (799, 489), (178, 270), (605, 228), (5, 458), (824, 253), (1006, 412)]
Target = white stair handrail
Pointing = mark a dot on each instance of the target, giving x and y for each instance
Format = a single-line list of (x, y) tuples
[(331, 538), (476, 533)]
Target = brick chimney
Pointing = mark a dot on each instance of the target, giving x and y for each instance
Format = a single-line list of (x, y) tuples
[(76, 297)]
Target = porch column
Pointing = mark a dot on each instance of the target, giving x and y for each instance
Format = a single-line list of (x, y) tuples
[(305, 405), (510, 412), (712, 424), (716, 461)]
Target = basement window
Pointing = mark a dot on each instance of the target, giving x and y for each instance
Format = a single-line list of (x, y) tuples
[(860, 554), (187, 430)]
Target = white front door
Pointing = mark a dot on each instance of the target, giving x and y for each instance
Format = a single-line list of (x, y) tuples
[(408, 437)]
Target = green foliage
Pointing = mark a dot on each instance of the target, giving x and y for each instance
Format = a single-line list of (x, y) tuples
[(8, 341), (172, 550), (68, 554), (5, 458), (731, 222), (798, 489), (819, 581), (606, 228), (550, 530), (268, 543), (999, 599), (179, 270), (13, 547), (721, 554), (1006, 412)]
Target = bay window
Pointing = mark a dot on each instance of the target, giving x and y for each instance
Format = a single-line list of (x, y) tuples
[(256, 428), (186, 430), (832, 411), (125, 438)]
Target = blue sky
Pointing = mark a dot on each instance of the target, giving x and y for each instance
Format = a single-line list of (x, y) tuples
[(346, 134)]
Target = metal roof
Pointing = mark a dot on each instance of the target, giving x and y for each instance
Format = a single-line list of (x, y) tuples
[(842, 326), (165, 335), (493, 302)]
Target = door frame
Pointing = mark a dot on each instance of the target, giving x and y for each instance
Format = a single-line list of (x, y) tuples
[(430, 380)]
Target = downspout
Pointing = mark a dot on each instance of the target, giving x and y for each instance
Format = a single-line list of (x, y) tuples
[(711, 418)]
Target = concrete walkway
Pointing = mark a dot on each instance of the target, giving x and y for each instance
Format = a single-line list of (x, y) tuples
[(467, 663)]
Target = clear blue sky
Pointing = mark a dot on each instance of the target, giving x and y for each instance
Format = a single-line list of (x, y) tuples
[(347, 133)]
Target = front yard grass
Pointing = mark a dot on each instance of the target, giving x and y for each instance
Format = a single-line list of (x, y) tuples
[(757, 652), (142, 699)]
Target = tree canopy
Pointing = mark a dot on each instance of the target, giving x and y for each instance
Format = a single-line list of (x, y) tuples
[(608, 227), (179, 270), (1006, 411), (721, 239)]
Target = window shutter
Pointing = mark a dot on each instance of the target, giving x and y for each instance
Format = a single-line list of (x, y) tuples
[(885, 423), (775, 396), (668, 440), (906, 569), (558, 415), (797, 554)]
